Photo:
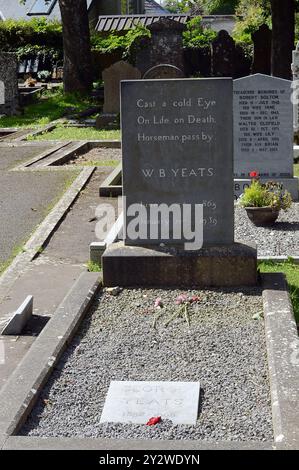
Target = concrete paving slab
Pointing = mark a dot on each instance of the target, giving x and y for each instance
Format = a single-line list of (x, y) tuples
[(71, 242), (24, 202), (19, 394), (12, 156), (49, 284)]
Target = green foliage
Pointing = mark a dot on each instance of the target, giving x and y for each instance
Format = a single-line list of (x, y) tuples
[(94, 267), (197, 36), (51, 107), (36, 37), (291, 270), (178, 6), (81, 133), (218, 7), (251, 15), (107, 43), (265, 195)]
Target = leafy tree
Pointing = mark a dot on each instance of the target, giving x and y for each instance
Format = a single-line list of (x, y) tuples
[(197, 36), (208, 7), (283, 37), (218, 7), (77, 72), (178, 6)]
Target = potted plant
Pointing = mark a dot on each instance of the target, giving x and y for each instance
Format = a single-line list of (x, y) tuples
[(44, 76), (263, 201)]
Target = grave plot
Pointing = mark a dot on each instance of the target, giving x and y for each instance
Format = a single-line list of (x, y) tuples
[(126, 338)]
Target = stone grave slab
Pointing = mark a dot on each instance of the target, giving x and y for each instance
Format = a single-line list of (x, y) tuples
[(137, 402)]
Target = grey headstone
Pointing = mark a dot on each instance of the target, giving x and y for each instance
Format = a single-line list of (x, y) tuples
[(112, 77), (163, 71), (263, 127), (295, 71), (137, 402), (9, 77), (20, 318), (168, 157)]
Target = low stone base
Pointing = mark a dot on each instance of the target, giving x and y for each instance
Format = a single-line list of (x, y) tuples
[(151, 266), (107, 121), (290, 184)]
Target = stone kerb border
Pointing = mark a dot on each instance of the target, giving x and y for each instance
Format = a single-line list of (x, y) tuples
[(283, 360), (19, 394), (21, 391)]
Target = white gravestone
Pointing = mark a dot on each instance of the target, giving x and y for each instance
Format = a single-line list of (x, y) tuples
[(137, 402), (295, 85), (263, 131), (2, 93)]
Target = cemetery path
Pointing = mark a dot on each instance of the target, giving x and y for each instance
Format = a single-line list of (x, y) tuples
[(70, 244), (51, 275), (25, 197)]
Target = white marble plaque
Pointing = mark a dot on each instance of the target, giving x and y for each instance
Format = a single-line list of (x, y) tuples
[(137, 402), (263, 127)]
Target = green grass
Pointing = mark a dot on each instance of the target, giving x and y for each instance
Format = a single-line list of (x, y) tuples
[(50, 107), (113, 163), (296, 169), (15, 252), (94, 267), (83, 133), (291, 270)]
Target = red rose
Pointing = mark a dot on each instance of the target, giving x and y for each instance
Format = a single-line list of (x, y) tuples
[(153, 421)]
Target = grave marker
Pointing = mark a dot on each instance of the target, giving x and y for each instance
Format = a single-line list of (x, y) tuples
[(178, 154), (177, 148), (137, 402), (263, 131)]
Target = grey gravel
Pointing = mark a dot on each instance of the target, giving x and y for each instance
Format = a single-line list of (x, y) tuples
[(224, 348), (280, 239)]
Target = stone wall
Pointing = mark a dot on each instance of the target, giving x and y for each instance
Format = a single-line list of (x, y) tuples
[(8, 75)]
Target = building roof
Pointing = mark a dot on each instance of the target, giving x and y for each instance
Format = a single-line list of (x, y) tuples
[(125, 22), (153, 8), (14, 9)]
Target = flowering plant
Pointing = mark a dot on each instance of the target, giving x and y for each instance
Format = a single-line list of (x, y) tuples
[(269, 194)]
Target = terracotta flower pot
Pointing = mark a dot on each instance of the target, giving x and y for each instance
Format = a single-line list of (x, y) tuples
[(262, 216)]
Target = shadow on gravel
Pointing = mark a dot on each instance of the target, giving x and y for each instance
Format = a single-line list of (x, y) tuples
[(285, 226)]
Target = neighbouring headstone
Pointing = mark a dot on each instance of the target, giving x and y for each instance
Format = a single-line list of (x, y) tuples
[(262, 43), (295, 94), (263, 131), (9, 78), (165, 46), (2, 92), (178, 161), (137, 402), (177, 147), (112, 77), (163, 71), (223, 55)]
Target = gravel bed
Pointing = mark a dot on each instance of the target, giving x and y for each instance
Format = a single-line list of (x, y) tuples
[(280, 239), (224, 349), (96, 155)]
